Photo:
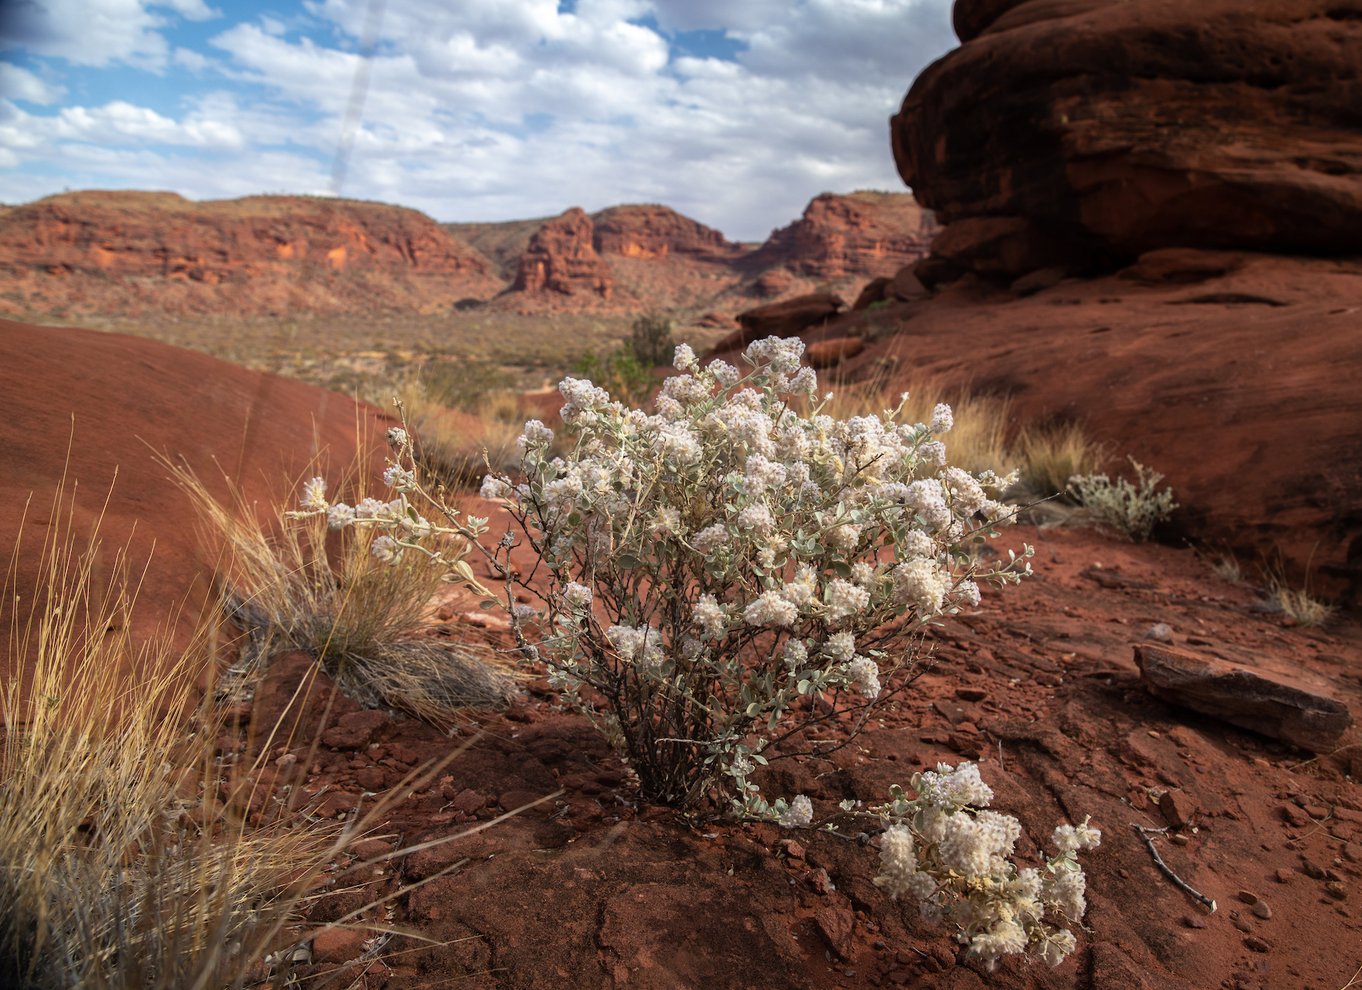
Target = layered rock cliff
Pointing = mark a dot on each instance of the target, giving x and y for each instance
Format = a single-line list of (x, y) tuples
[(561, 258), (1082, 133), (118, 252), (860, 235)]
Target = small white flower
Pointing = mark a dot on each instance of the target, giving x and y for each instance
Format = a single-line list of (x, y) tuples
[(577, 595), (397, 436), (314, 495), (494, 487), (398, 477), (535, 435), (683, 358), (840, 646), (799, 814), (771, 609), (385, 549), (340, 515), (864, 675), (942, 418)]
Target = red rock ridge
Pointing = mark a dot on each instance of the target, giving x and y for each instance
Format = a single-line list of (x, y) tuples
[(860, 235), (560, 258), (1083, 133), (246, 256), (653, 231)]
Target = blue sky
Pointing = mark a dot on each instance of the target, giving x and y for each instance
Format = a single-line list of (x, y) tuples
[(735, 112)]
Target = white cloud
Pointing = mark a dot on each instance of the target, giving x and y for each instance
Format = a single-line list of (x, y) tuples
[(96, 32), (494, 109), (19, 84)]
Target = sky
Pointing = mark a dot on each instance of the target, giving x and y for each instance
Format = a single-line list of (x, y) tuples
[(734, 112)]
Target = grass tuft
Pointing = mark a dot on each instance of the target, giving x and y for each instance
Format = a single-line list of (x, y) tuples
[(108, 879), (293, 585)]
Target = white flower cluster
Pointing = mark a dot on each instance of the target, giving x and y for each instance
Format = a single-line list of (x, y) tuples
[(954, 856), (742, 546)]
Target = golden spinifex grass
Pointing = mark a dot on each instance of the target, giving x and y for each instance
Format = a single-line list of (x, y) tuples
[(457, 446), (105, 879), (294, 585)]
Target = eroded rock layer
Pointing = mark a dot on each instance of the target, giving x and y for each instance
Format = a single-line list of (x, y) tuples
[(861, 234), (561, 258), (1084, 132), (115, 252)]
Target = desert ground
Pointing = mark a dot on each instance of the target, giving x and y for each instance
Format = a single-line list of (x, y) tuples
[(1188, 297)]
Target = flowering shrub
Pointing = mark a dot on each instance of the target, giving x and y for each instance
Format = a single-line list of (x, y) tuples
[(946, 849), (726, 572), (1131, 509)]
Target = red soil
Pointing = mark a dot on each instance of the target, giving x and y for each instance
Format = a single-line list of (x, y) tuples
[(589, 889)]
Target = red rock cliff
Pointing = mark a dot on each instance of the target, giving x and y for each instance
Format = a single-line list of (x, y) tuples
[(560, 258), (861, 235), (1083, 133), (656, 232), (127, 251)]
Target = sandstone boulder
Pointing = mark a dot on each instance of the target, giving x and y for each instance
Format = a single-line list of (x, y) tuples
[(1087, 132), (787, 318), (1295, 710)]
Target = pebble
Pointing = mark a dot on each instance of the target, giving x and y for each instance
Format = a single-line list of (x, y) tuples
[(1192, 921), (1352, 852), (1283, 876), (1261, 909), (1257, 944), (1160, 632), (1248, 896), (1336, 890), (1312, 869), (1177, 808)]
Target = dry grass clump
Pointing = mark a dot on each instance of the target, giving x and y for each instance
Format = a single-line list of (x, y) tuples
[(457, 446), (294, 585), (977, 441), (1301, 607), (105, 880), (1049, 456)]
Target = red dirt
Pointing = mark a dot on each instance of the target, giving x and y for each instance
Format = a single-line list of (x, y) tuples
[(591, 890)]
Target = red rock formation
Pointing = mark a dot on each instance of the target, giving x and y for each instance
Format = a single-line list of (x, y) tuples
[(127, 252), (861, 235), (1085, 132), (122, 401), (653, 231), (560, 258)]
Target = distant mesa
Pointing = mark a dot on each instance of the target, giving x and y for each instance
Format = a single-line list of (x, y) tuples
[(1085, 133), (850, 236), (139, 253), (127, 252)]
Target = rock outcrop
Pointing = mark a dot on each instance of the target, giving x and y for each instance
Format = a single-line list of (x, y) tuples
[(1083, 133), (657, 232), (123, 252), (861, 235), (561, 259)]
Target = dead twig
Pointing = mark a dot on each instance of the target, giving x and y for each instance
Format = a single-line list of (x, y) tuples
[(1145, 833)]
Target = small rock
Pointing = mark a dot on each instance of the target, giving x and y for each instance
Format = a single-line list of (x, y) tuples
[(1192, 921), (1261, 909), (1282, 876), (1160, 632), (1178, 839), (1336, 890), (1177, 808), (821, 882), (1352, 852), (793, 849), (337, 944), (1312, 869), (1294, 816), (834, 922), (971, 693), (1248, 896), (1257, 944)]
